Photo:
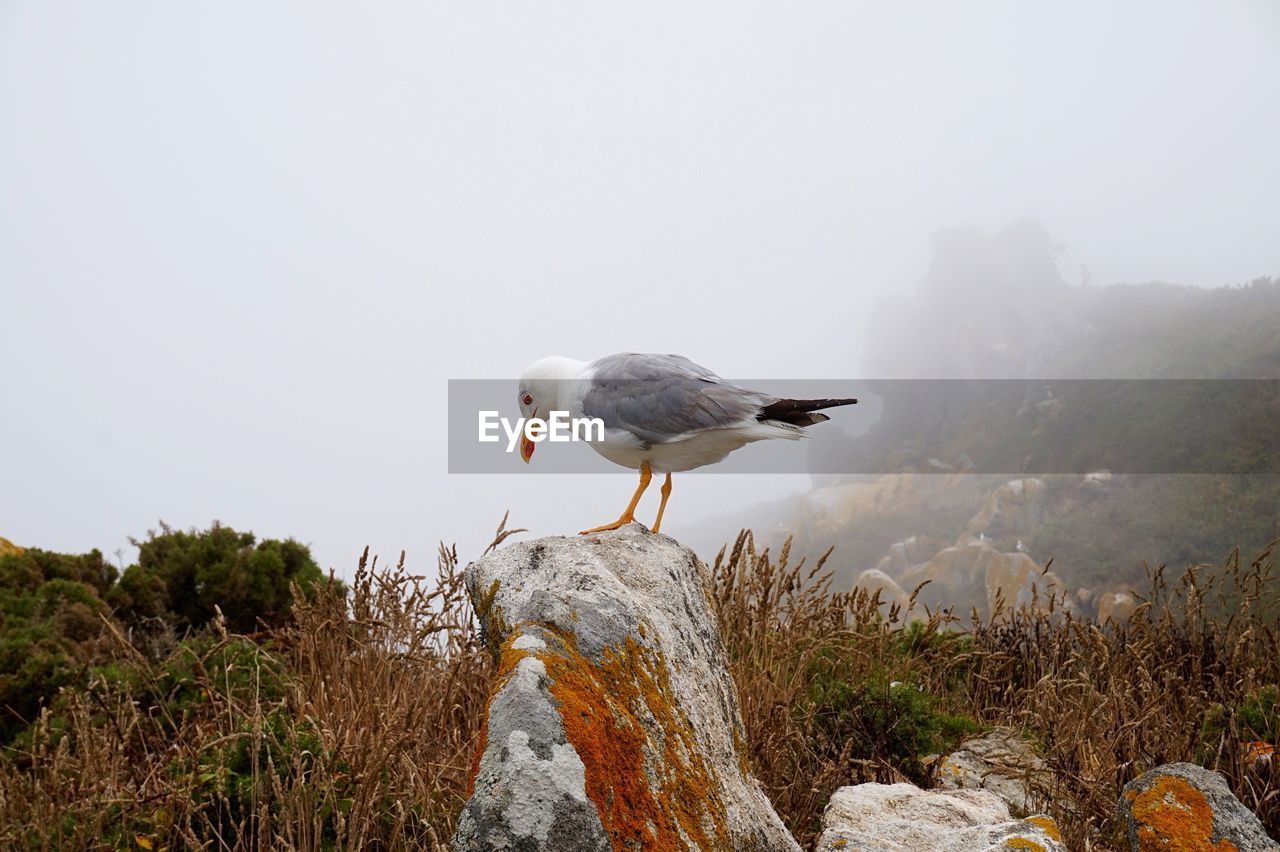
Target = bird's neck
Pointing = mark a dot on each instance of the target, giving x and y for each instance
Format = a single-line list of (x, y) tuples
[(562, 375), (562, 369)]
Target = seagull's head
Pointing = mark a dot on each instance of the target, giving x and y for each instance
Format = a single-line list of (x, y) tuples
[(542, 386)]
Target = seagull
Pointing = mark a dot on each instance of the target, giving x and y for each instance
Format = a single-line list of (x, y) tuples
[(661, 413)]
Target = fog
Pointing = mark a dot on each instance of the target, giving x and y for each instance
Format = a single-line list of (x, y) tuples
[(243, 246)]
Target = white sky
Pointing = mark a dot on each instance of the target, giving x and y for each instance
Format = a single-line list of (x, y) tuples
[(243, 245)]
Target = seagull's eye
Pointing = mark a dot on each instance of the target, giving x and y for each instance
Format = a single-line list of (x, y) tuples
[(528, 400)]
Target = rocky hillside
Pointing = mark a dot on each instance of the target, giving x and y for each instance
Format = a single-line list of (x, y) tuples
[(996, 307)]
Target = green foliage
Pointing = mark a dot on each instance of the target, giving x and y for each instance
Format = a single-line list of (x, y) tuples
[(196, 687), (50, 625), (1255, 718), (297, 738), (28, 569), (182, 576), (879, 718), (201, 669), (1174, 520), (56, 609), (235, 774)]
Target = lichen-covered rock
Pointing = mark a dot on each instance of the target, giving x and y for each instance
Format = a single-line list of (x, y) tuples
[(1013, 509), (530, 787), (904, 818), (976, 575), (1259, 753), (1117, 607), (614, 721), (903, 554), (1182, 806), (826, 511), (873, 581), (956, 576), (1036, 834), (1002, 762), (1016, 581)]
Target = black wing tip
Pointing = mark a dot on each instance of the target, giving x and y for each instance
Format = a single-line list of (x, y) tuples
[(800, 412)]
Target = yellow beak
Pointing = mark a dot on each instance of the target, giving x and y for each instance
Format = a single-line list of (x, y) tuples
[(526, 448)]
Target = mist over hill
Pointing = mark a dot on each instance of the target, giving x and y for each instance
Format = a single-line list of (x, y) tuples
[(997, 307)]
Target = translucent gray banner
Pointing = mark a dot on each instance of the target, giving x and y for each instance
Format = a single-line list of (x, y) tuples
[(940, 426)]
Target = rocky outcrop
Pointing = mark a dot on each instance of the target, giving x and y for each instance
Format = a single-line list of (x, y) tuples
[(614, 722), (1118, 607), (903, 554), (1184, 806), (904, 818), (978, 575), (892, 598), (826, 511), (1001, 762), (7, 547), (1016, 581), (1013, 510)]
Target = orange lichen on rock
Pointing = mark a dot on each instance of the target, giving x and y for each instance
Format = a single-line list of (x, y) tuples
[(1172, 814), (1023, 843), (1048, 826), (622, 719), (508, 658), (1257, 752)]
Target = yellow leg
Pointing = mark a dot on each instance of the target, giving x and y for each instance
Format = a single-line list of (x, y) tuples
[(629, 514), (666, 492)]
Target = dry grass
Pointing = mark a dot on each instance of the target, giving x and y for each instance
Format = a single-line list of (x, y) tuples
[(1192, 677), (356, 727), (832, 693)]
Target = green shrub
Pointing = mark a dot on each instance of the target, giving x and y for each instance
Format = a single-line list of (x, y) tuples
[(50, 628), (878, 718), (181, 576), (1255, 718), (56, 609)]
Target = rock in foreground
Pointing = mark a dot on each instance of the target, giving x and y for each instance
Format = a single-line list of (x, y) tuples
[(999, 761), (1184, 806), (904, 818), (614, 723)]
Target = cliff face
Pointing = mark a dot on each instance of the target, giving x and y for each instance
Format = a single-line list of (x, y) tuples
[(1104, 461), (614, 722)]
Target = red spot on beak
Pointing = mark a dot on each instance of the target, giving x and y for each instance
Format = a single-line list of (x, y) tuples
[(526, 448)]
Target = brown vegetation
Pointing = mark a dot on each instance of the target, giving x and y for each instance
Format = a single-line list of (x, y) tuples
[(351, 729), (1192, 677)]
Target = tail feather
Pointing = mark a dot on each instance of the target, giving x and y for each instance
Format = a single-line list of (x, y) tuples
[(800, 412)]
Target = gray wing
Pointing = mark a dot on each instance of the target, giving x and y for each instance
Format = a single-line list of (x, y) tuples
[(660, 397)]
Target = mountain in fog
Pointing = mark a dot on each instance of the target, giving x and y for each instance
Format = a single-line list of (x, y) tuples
[(996, 307)]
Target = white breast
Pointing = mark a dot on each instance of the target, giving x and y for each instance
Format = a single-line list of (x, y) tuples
[(697, 450)]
